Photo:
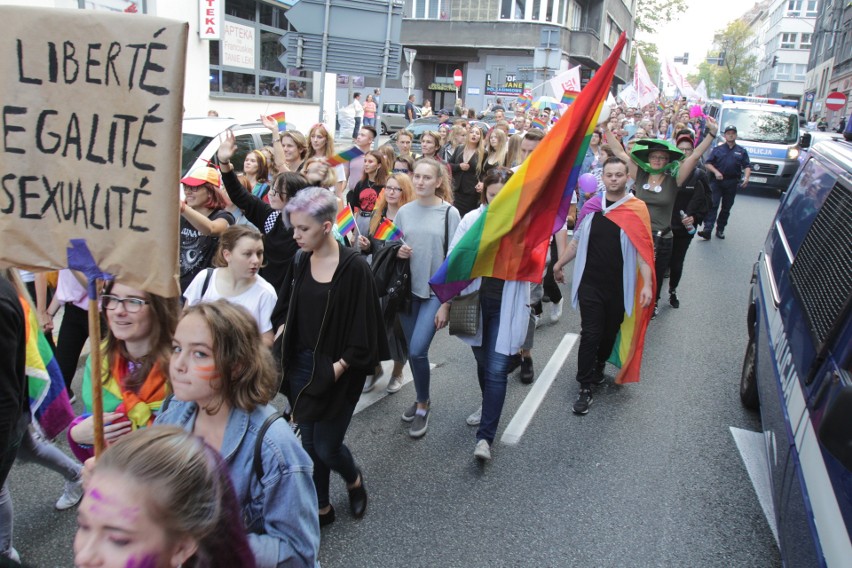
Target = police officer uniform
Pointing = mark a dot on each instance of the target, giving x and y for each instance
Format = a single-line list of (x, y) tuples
[(730, 161)]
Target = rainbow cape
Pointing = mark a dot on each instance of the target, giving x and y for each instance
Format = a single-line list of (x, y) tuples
[(281, 119), (569, 97), (345, 220), (524, 102), (632, 217), (387, 231), (344, 156), (48, 398), (538, 122), (509, 240)]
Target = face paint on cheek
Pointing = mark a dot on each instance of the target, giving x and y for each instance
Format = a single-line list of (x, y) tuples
[(147, 561), (207, 372)]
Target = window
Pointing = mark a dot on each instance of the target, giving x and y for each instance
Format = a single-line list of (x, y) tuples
[(788, 41), (245, 64), (799, 72), (611, 33), (429, 9), (783, 71), (574, 17), (513, 9), (805, 41), (794, 8), (811, 9)]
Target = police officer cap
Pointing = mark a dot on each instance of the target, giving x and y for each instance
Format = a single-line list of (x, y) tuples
[(730, 127)]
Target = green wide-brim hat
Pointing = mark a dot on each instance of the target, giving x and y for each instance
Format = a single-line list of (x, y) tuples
[(645, 146)]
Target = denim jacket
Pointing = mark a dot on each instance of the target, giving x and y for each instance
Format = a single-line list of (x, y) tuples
[(280, 512)]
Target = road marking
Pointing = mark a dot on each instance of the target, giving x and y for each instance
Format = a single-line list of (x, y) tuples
[(524, 415), (752, 449), (379, 391)]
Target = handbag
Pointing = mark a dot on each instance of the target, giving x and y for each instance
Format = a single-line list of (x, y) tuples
[(464, 315)]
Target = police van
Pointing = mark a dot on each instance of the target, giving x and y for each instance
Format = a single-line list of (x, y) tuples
[(798, 362), (769, 130)]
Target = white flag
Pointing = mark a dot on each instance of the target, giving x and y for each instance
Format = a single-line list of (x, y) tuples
[(675, 78), (646, 91), (566, 81), (629, 96), (701, 91)]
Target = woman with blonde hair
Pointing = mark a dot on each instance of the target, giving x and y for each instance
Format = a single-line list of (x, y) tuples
[(496, 154), (223, 379), (236, 279), (185, 509), (321, 145), (430, 143), (514, 151), (428, 223)]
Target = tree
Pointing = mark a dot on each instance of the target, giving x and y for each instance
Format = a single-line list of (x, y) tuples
[(651, 15), (734, 76), (709, 73)]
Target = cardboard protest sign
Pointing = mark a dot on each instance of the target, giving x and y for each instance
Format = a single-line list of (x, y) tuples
[(90, 141)]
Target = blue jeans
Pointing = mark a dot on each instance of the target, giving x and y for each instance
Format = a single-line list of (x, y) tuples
[(724, 192), (357, 128), (323, 439), (418, 325), (491, 369), (370, 121)]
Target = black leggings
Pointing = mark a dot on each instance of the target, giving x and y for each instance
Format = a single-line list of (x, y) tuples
[(73, 334), (680, 245), (662, 255), (551, 288)]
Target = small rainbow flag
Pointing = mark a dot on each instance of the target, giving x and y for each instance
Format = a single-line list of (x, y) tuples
[(524, 102), (660, 107), (344, 156), (569, 97), (509, 240), (281, 120), (539, 122), (345, 220), (387, 231)]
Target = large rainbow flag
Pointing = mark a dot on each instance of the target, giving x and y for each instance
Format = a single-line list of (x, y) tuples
[(509, 240), (631, 217), (48, 398)]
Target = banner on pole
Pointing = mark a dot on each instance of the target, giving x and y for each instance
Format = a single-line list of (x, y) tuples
[(90, 145)]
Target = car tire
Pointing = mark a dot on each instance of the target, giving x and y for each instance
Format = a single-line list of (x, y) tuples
[(748, 380), (384, 129)]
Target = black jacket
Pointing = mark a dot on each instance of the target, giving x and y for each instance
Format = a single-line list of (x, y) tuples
[(465, 196), (393, 279), (351, 329), (279, 246), (694, 198), (14, 396)]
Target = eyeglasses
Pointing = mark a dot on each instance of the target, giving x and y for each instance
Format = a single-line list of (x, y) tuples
[(275, 192), (132, 305), (193, 188), (391, 188), (400, 170), (658, 158)]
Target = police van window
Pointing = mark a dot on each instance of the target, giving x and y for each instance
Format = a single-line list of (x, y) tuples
[(764, 126), (807, 195)]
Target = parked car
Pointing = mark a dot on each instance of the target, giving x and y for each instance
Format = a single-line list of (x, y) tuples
[(421, 125), (393, 117), (798, 363), (200, 140)]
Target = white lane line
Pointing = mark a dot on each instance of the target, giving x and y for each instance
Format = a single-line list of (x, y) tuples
[(752, 447), (524, 415), (380, 388)]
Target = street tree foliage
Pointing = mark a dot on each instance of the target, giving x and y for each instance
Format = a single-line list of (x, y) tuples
[(651, 15), (709, 73), (734, 77)]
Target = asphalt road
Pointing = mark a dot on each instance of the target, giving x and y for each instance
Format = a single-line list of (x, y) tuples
[(650, 477)]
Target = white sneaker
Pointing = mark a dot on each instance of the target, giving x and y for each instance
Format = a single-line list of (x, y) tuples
[(556, 311), (12, 555), (482, 451), (394, 384), (475, 418), (370, 383), (537, 320), (71, 496)]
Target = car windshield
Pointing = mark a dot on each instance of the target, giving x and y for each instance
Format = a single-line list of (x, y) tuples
[(192, 145), (763, 125)]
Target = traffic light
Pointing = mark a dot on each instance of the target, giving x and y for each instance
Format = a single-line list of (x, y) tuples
[(721, 61), (774, 60), (685, 58)]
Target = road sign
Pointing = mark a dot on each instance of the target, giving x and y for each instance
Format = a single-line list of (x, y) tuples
[(347, 19), (809, 96), (407, 80), (835, 101), (457, 78), (304, 51)]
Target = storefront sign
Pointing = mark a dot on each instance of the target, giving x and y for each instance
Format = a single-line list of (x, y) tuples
[(442, 87), (510, 88), (473, 90), (238, 45), (209, 19)]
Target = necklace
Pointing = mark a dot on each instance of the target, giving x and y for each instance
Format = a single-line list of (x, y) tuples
[(653, 185)]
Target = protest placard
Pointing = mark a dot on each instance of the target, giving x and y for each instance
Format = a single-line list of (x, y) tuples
[(90, 135)]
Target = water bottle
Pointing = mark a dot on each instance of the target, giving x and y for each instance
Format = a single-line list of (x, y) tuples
[(689, 228)]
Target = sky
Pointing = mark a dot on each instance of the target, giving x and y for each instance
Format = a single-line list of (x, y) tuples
[(693, 32)]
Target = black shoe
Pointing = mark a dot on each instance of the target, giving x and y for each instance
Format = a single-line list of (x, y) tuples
[(598, 376), (675, 303), (326, 518), (706, 235), (584, 401), (527, 373), (720, 234), (514, 363), (358, 498)]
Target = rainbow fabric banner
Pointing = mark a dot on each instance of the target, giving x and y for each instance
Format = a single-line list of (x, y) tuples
[(539, 122), (49, 402), (344, 156), (524, 102), (281, 119), (660, 107), (345, 220), (569, 97), (509, 240), (387, 231)]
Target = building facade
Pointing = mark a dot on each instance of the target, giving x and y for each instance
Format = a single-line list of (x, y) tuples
[(830, 62), (786, 49), (503, 47)]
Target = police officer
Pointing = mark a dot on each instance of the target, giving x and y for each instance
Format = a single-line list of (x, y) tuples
[(727, 163)]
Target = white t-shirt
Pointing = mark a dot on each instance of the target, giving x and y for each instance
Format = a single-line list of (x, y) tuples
[(259, 300)]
